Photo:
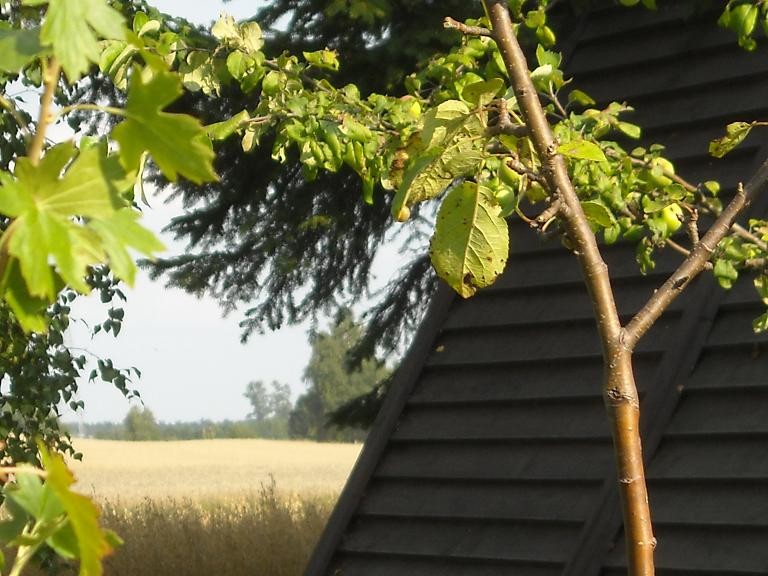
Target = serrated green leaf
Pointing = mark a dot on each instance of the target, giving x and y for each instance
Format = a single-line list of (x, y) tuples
[(176, 142), (470, 245), (28, 310), (122, 231), (18, 48), (73, 27), (481, 93), (735, 133), (582, 150), (32, 238), (83, 515)]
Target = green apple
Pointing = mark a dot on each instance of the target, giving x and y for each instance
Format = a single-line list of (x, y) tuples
[(672, 216)]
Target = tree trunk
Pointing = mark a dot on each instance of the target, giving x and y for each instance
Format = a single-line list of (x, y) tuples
[(619, 390)]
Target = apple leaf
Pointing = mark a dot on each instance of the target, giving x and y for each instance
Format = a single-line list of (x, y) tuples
[(735, 133), (471, 242), (177, 142), (582, 150)]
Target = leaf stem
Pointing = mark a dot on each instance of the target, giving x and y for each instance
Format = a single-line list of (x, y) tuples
[(51, 72), (94, 107)]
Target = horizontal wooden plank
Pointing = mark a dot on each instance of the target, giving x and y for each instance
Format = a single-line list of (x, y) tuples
[(659, 43), (366, 564), (545, 420), (636, 83), (712, 457), (732, 411), (548, 304), (706, 548), (536, 342), (689, 106), (701, 502), (622, 571), (467, 539), (734, 325), (613, 22), (731, 366), (546, 501), (583, 460), (550, 263), (488, 383)]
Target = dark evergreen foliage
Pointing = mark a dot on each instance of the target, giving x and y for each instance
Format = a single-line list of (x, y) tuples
[(286, 248)]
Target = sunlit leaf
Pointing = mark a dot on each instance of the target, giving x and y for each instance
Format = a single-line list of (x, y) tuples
[(176, 142), (582, 150), (735, 133), (73, 28), (470, 245)]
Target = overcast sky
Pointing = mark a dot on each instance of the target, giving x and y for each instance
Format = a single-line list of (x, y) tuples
[(193, 365)]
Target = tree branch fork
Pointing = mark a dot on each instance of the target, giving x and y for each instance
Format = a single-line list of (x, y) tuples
[(619, 390)]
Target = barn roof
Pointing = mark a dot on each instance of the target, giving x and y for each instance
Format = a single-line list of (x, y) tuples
[(492, 454)]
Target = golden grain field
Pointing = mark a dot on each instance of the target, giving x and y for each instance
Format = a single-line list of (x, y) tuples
[(212, 507), (196, 469)]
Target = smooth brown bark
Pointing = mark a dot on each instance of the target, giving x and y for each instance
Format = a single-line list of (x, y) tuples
[(619, 390)]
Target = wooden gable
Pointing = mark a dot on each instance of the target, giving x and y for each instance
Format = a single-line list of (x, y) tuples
[(492, 454)]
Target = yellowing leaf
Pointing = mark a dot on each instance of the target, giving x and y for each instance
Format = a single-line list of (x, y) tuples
[(735, 133), (471, 242), (176, 142)]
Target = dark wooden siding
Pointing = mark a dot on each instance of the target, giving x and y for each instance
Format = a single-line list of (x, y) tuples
[(493, 455)]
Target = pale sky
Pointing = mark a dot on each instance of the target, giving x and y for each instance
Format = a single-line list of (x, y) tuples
[(193, 365)]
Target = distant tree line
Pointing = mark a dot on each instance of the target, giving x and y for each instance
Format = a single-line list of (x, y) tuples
[(331, 385)]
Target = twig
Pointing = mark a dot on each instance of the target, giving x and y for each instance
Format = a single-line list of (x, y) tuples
[(504, 124), (11, 108), (552, 211), (692, 226), (51, 72), (514, 163), (677, 247), (745, 234), (452, 24), (23, 470), (696, 261)]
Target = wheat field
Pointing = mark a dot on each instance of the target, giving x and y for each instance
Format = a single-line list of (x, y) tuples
[(204, 507), (199, 469)]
